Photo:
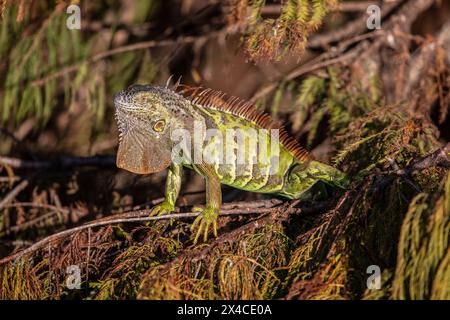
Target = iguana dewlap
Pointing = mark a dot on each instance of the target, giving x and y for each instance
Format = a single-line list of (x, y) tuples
[(151, 118)]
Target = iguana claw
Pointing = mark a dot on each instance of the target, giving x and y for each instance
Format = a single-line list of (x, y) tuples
[(207, 218), (162, 208)]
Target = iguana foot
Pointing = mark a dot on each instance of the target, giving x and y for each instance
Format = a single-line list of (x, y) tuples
[(162, 208), (207, 218)]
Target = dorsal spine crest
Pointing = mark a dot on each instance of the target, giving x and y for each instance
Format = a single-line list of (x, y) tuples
[(218, 100)]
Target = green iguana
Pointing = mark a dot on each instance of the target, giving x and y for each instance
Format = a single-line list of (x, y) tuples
[(149, 116)]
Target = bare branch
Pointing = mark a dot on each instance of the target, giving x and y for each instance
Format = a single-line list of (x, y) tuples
[(350, 29), (132, 47), (60, 162), (140, 216), (275, 9), (13, 193), (438, 158)]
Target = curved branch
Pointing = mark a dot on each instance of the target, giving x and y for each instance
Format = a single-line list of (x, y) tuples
[(140, 216)]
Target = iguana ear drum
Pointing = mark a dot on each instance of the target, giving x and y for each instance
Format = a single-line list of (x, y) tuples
[(140, 154)]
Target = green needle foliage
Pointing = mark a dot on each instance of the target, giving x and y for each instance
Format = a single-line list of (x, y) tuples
[(398, 222), (48, 65)]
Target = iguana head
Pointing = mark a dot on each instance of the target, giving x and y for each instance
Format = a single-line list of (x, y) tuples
[(145, 119)]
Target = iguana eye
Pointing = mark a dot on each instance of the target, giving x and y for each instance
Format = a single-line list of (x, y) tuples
[(159, 125)]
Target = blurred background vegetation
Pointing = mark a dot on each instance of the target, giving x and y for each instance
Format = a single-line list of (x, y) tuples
[(372, 102)]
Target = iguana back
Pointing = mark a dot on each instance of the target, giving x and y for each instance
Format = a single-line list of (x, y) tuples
[(250, 151)]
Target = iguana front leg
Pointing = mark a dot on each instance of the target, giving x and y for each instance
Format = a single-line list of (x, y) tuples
[(209, 214), (173, 184)]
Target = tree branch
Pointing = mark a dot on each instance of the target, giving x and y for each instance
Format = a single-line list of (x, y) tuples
[(438, 158), (338, 55), (241, 208), (352, 28), (60, 162), (275, 9), (132, 47)]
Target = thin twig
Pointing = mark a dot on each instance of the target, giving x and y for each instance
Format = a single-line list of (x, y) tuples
[(9, 179), (13, 193), (308, 67), (27, 224), (36, 205), (352, 28), (132, 47), (275, 9), (61, 162), (411, 8)]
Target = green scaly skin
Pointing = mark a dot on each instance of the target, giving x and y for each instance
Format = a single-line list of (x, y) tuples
[(137, 109)]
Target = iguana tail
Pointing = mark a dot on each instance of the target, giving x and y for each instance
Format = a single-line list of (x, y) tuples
[(328, 174), (303, 176)]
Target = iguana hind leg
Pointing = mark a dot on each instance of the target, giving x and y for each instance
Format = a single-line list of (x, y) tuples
[(173, 184), (209, 214)]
